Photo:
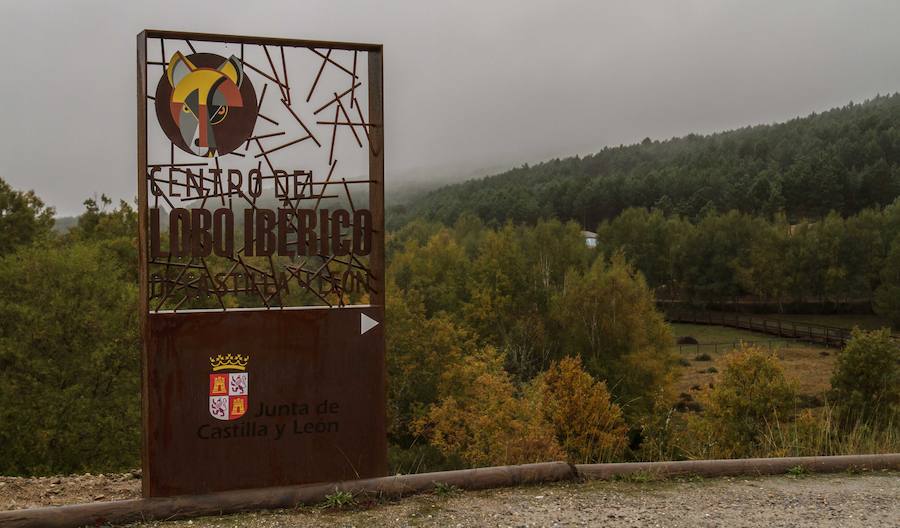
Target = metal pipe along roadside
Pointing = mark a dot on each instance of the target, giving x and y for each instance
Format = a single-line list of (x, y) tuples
[(228, 502)]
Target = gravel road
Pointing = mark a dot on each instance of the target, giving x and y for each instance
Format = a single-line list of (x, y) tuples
[(868, 500), (844, 500)]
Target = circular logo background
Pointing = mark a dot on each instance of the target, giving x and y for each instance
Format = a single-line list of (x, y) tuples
[(210, 114)]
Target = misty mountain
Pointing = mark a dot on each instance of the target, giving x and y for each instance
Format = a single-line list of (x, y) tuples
[(845, 159), (405, 186)]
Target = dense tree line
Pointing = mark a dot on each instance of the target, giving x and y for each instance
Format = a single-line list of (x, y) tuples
[(465, 304), (506, 344), (844, 160), (535, 295), (731, 256), (480, 320), (69, 348)]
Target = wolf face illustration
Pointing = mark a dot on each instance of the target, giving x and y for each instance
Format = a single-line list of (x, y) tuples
[(205, 104)]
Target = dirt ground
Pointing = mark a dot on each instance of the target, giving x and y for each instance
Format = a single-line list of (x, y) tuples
[(845, 500), (17, 492)]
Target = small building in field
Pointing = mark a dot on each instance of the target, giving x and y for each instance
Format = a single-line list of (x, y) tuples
[(590, 238)]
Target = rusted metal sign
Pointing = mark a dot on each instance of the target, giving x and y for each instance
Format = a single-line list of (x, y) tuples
[(260, 183)]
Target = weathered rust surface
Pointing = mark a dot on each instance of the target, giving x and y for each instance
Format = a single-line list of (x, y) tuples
[(241, 216), (315, 409)]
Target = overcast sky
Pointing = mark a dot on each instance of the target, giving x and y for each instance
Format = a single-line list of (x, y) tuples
[(468, 84)]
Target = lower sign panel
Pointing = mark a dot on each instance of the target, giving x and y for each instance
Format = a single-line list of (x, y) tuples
[(258, 398)]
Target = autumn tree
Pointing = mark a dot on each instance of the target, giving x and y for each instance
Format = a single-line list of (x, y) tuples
[(589, 427), (23, 218), (648, 239), (484, 421), (437, 269), (496, 285), (113, 228), (610, 320), (420, 350), (763, 270)]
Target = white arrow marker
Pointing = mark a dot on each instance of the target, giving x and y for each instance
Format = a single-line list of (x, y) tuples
[(366, 323)]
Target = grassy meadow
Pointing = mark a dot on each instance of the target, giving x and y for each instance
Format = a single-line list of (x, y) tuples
[(809, 366), (863, 321)]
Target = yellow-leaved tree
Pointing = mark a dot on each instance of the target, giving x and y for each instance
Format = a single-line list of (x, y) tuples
[(420, 350), (588, 426), (482, 420)]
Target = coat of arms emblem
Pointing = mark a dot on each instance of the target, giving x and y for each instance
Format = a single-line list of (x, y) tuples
[(228, 386)]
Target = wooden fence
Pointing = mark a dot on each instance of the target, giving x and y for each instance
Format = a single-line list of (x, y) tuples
[(771, 344), (830, 336)]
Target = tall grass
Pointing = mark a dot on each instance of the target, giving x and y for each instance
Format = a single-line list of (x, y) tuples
[(822, 433)]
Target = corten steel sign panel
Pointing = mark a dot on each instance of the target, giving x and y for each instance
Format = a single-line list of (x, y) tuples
[(260, 182)]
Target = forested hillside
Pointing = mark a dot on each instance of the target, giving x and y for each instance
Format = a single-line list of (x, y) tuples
[(510, 341), (842, 160)]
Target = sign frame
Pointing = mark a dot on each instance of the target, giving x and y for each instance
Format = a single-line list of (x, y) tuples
[(374, 53)]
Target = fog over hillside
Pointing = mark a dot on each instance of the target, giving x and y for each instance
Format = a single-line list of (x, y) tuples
[(469, 87)]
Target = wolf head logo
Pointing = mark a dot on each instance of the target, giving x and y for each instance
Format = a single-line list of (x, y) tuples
[(205, 104)]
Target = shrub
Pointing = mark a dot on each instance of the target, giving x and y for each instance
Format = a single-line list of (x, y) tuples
[(588, 426), (482, 420), (660, 430), (70, 390), (751, 394), (422, 348), (887, 296), (866, 379), (610, 320)]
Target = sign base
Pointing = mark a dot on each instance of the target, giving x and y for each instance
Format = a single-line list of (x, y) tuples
[(258, 398)]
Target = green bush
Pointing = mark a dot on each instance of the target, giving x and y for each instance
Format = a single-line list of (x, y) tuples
[(751, 394), (866, 379), (887, 296), (69, 397)]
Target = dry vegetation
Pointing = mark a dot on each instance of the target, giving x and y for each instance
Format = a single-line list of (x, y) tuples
[(810, 366)]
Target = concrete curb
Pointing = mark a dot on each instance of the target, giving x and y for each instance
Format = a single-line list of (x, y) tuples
[(227, 502)]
